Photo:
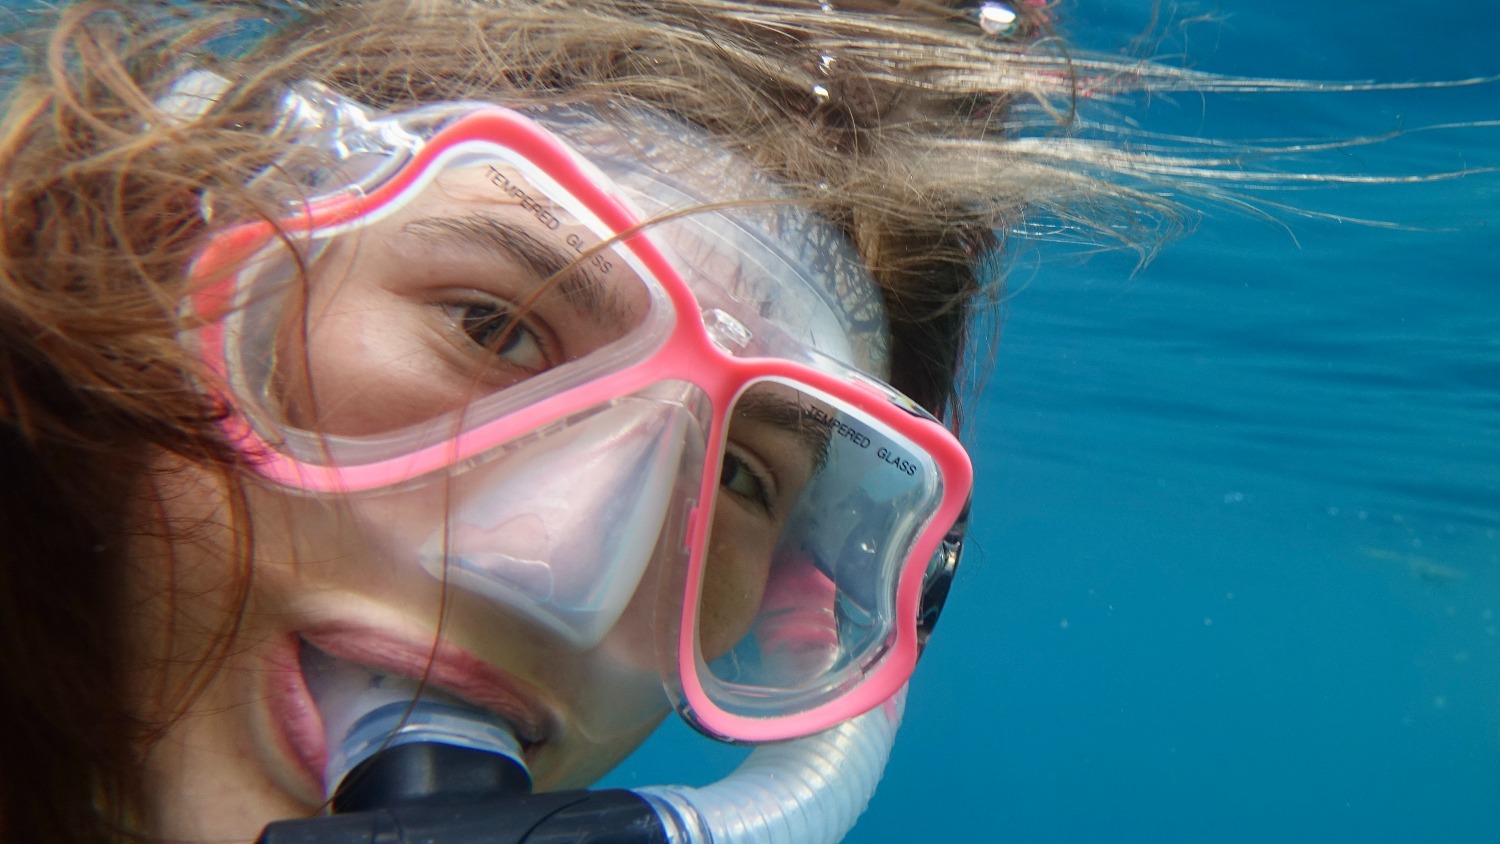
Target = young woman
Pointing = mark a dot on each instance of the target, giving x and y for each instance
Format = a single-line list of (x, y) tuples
[(572, 361)]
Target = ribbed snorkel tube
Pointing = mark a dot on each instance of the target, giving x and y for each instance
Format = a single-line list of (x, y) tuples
[(805, 791)]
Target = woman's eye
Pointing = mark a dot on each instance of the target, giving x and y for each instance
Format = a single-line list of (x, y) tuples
[(739, 479), (496, 329)]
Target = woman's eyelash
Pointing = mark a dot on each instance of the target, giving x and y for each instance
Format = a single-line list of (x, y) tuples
[(497, 328), (489, 326), (742, 478)]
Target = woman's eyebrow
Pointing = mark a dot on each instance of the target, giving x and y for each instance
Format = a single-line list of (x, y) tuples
[(591, 295), (807, 426)]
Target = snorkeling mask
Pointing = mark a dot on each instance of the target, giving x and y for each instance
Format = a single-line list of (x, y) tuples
[(554, 354), (568, 359)]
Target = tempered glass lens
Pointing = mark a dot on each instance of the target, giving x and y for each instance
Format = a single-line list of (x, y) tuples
[(482, 277), (817, 512)]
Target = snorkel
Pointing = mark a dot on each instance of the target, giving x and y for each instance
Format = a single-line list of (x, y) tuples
[(417, 766)]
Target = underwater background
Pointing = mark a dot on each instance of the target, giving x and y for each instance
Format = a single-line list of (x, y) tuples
[(1234, 570), (1235, 562)]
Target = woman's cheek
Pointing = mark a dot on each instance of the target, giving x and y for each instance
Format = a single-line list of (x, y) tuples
[(368, 368), (734, 578)]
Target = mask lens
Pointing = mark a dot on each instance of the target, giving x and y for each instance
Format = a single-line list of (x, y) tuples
[(817, 512), (482, 281)]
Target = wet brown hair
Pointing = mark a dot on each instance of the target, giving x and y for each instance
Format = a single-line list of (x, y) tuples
[(900, 121)]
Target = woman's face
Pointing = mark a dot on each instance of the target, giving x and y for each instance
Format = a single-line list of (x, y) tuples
[(450, 298)]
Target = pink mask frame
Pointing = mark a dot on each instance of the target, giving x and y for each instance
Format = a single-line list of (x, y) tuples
[(688, 354)]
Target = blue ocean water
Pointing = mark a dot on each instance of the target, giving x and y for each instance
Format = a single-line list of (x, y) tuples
[(1235, 572)]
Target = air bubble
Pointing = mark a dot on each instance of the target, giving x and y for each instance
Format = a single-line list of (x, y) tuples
[(997, 19)]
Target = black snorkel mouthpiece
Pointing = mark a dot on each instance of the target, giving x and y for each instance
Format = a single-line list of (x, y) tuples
[(431, 793), (426, 771), (411, 766)]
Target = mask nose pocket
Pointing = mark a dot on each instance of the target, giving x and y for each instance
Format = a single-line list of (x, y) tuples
[(561, 527)]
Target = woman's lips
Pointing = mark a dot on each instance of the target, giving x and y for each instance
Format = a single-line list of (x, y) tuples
[(294, 713), (447, 668)]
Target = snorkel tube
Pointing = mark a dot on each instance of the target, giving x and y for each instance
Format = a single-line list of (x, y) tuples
[(811, 789), (413, 766)]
